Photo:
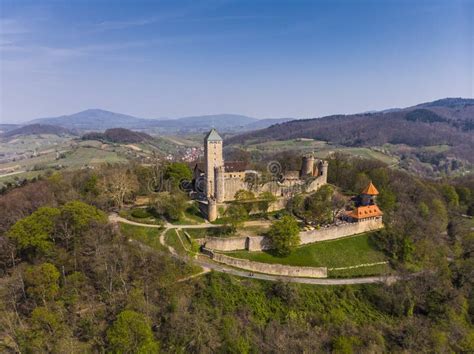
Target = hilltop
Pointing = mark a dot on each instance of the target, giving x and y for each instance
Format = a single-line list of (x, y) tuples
[(447, 121), (118, 135), (35, 129), (93, 119)]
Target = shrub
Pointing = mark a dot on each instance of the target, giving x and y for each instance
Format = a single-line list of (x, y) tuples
[(140, 213)]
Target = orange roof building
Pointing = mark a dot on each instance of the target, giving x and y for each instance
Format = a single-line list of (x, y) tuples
[(366, 207), (364, 212)]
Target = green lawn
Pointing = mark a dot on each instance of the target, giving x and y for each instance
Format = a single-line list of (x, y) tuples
[(147, 235), (172, 239), (178, 240), (192, 213), (191, 216), (344, 252), (360, 272), (207, 232), (151, 220)]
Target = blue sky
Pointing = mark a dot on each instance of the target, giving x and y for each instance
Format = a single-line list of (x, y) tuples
[(260, 58)]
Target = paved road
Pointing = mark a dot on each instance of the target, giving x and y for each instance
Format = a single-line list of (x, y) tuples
[(208, 264)]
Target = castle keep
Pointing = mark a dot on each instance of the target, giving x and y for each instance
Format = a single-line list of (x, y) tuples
[(218, 181)]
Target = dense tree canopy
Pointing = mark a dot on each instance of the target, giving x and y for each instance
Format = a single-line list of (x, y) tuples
[(177, 174), (131, 333), (284, 235), (34, 234)]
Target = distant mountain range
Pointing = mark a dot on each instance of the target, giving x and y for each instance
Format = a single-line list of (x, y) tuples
[(99, 120), (447, 121)]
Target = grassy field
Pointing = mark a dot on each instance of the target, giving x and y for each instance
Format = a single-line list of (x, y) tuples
[(205, 232), (90, 156), (191, 216), (340, 253), (287, 145), (150, 219), (147, 235), (378, 269), (171, 239), (321, 149), (72, 158), (180, 242)]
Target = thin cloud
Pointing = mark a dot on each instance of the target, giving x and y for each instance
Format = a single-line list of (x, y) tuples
[(116, 25), (10, 26)]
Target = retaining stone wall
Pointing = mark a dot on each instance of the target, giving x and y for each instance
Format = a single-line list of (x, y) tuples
[(274, 269), (335, 232), (260, 243), (226, 243)]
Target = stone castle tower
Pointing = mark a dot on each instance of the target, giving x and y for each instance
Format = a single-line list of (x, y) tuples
[(214, 164), (323, 170), (307, 167), (220, 183)]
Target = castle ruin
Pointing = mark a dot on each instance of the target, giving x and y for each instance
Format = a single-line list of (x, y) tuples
[(217, 181)]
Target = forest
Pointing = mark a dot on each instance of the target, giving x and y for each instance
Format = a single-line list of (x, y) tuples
[(436, 123), (72, 282)]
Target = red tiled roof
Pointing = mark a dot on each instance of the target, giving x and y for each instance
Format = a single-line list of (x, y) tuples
[(362, 212), (235, 166), (229, 166)]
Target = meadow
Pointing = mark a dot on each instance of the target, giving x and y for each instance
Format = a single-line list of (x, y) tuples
[(341, 253)]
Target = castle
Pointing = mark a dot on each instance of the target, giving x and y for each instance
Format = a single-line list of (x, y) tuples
[(217, 181)]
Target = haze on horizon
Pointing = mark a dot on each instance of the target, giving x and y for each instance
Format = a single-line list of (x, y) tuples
[(258, 58)]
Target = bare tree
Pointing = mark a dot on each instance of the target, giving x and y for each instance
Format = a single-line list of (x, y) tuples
[(119, 184)]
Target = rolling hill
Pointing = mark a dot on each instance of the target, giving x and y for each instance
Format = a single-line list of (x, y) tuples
[(447, 121), (118, 135), (94, 119), (35, 129)]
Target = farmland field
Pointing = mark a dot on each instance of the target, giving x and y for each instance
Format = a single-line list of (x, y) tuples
[(320, 149)]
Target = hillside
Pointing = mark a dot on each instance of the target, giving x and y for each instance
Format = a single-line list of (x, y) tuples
[(74, 280), (118, 135), (34, 129), (448, 121), (7, 127)]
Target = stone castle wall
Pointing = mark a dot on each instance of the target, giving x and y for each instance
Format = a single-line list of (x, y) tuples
[(232, 186), (317, 183), (274, 269), (226, 243), (260, 243), (335, 232)]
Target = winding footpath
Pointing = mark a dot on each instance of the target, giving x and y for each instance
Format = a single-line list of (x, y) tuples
[(209, 265)]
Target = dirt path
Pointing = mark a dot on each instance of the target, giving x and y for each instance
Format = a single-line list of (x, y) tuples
[(116, 218)]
